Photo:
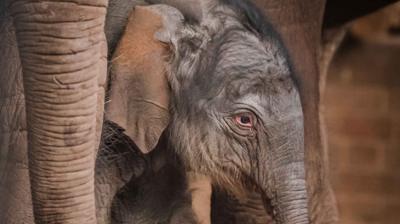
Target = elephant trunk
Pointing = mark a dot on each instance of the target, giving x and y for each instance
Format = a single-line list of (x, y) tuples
[(63, 54), (285, 184), (290, 201)]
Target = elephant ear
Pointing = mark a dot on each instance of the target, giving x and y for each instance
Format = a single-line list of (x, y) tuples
[(139, 92)]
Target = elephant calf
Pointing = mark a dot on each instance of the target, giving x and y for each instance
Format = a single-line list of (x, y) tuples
[(236, 114), (231, 110)]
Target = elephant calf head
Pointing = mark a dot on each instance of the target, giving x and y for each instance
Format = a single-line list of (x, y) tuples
[(234, 110)]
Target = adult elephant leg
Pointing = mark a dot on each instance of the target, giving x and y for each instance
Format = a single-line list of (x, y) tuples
[(63, 54)]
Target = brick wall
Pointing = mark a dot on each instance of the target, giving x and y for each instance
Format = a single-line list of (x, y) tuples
[(362, 109)]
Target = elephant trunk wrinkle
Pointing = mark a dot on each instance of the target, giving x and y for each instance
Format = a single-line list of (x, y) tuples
[(291, 201), (63, 53)]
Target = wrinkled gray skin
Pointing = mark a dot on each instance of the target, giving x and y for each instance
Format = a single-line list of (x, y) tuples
[(228, 65), (239, 71), (124, 212), (232, 66)]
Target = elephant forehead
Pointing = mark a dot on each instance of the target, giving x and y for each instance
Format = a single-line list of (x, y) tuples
[(242, 52), (238, 55)]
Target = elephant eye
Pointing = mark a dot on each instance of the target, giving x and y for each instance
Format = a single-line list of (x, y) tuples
[(244, 119)]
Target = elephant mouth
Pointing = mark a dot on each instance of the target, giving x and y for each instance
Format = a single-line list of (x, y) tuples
[(251, 206), (270, 210), (266, 211), (246, 201)]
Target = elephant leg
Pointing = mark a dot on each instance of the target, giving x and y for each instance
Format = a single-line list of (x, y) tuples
[(15, 193), (63, 54), (330, 43), (199, 187)]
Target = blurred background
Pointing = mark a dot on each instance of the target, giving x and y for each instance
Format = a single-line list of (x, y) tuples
[(362, 111)]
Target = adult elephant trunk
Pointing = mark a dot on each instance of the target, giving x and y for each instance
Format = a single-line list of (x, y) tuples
[(63, 54)]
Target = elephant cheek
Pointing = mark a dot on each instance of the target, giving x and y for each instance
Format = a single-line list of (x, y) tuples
[(63, 54)]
